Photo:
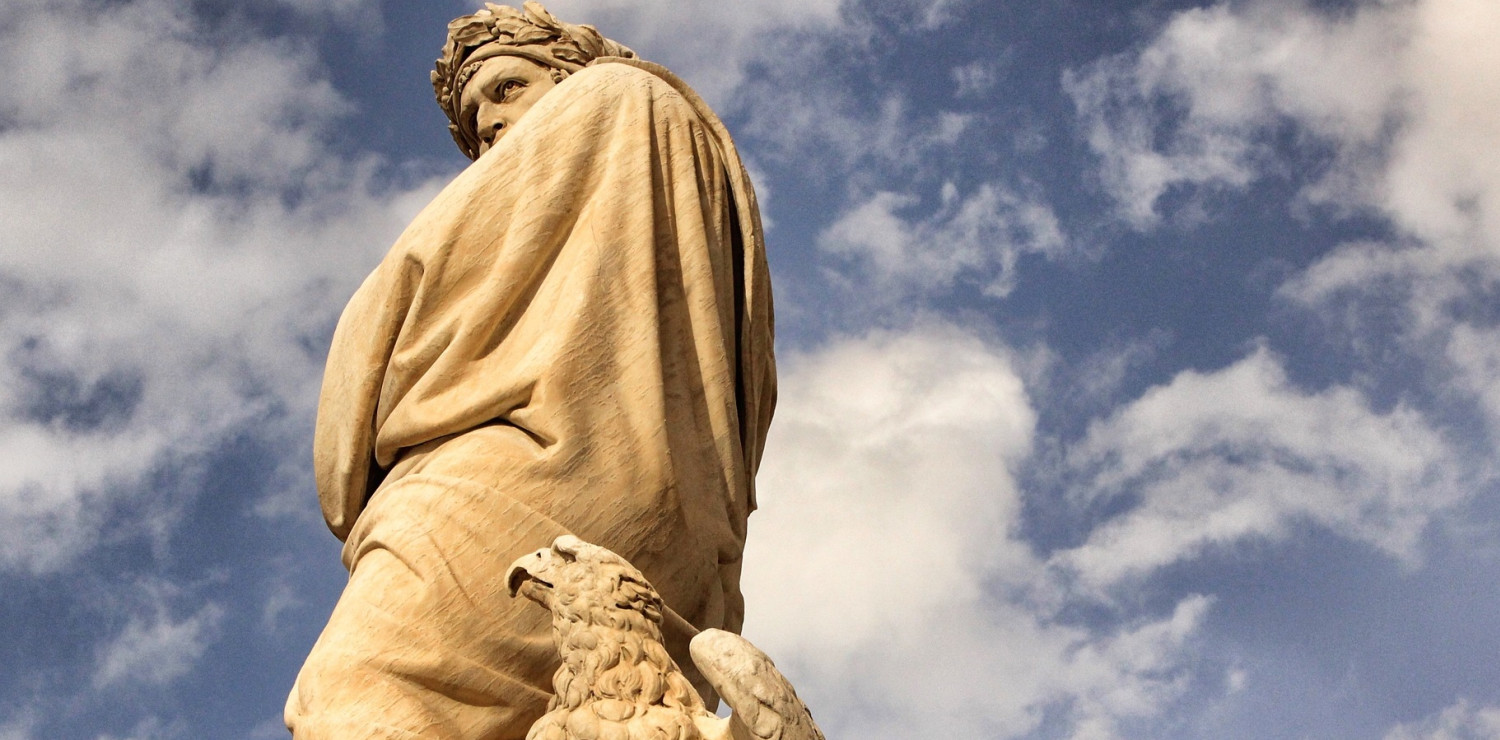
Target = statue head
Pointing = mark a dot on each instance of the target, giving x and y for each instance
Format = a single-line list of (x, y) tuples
[(527, 51)]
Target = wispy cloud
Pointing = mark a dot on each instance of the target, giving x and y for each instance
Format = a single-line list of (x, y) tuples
[(977, 238), (1241, 454), (156, 649)]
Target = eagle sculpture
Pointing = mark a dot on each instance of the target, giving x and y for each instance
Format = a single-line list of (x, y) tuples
[(617, 681)]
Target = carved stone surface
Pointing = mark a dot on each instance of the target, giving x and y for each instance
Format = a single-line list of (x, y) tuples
[(574, 337), (617, 680)]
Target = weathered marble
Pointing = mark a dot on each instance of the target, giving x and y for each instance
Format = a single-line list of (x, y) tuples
[(574, 337), (617, 680)]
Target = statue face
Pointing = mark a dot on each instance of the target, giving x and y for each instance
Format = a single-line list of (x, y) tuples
[(500, 92)]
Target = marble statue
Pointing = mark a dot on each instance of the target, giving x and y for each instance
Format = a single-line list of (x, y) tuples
[(574, 337), (616, 679)]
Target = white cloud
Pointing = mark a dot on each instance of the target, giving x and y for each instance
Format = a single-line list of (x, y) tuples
[(1215, 78), (1461, 721), (1405, 96), (157, 649), (978, 237), (1239, 454), (1406, 93), (941, 418), (885, 571), (176, 236)]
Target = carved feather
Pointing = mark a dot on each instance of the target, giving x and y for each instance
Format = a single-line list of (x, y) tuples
[(763, 700)]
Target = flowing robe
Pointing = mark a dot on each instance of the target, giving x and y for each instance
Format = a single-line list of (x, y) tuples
[(574, 336)]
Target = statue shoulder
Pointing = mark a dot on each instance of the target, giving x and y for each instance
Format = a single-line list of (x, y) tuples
[(620, 74), (612, 77)]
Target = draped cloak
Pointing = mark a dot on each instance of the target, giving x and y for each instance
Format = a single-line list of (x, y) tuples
[(578, 327)]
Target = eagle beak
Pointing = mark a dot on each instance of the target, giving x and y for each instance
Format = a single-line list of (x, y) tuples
[(524, 576), (533, 575)]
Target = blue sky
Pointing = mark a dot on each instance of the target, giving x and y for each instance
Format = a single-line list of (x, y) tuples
[(1140, 361)]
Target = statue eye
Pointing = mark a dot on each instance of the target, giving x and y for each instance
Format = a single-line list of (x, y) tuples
[(510, 86)]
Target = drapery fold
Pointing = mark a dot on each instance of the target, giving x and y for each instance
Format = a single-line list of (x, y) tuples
[(597, 281)]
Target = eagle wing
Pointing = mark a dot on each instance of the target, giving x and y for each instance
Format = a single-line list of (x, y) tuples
[(764, 702)]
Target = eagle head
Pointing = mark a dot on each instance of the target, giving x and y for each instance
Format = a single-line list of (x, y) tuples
[(579, 581), (606, 623)]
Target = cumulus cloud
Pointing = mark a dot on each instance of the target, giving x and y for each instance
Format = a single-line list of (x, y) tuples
[(886, 560), (978, 238), (1216, 459), (178, 237), (1461, 721)]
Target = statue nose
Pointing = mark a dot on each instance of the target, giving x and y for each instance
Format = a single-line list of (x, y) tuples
[(489, 123)]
